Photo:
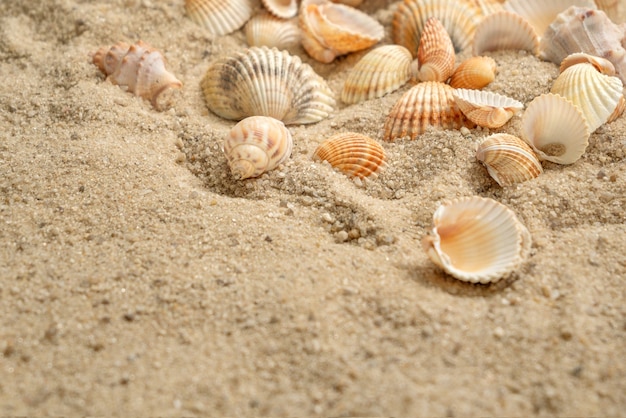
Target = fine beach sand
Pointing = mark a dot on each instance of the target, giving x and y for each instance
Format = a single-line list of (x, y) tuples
[(139, 278)]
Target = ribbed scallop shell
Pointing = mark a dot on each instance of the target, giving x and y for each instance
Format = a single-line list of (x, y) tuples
[(283, 9), (458, 17), (540, 13), (505, 30), (354, 154), (268, 30), (555, 128), (219, 17), (596, 94), (255, 145), (330, 29), (379, 72), (474, 73), (267, 82), (508, 159), (487, 7), (426, 105), (486, 108), (139, 67), (477, 240), (435, 54), (601, 64)]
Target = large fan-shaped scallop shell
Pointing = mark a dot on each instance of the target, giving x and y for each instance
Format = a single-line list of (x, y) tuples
[(486, 108), (508, 159), (596, 94), (219, 17), (435, 54), (458, 17), (555, 128), (426, 105), (540, 13), (255, 145), (379, 72), (138, 67), (474, 73), (354, 154), (268, 30), (283, 9), (505, 30), (267, 82), (477, 240)]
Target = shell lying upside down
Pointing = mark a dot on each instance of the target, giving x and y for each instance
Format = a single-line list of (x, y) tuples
[(138, 67), (354, 154), (508, 159), (486, 108)]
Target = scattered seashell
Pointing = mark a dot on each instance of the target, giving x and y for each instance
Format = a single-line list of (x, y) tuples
[(283, 9), (486, 108), (601, 64), (487, 7), (611, 8), (508, 159), (268, 30), (619, 109), (505, 30), (379, 72), (266, 82), (555, 128), (477, 240), (331, 29), (351, 3), (540, 13), (435, 54), (474, 73), (256, 145), (219, 17), (138, 67), (426, 105), (354, 154)]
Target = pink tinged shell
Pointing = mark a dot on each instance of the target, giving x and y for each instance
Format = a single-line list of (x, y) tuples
[(354, 154), (268, 30), (219, 17), (256, 145), (508, 159), (485, 108), (474, 73), (283, 9), (435, 55), (505, 30), (555, 128), (477, 240), (541, 13)]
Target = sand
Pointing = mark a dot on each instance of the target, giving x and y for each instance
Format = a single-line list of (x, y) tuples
[(139, 278)]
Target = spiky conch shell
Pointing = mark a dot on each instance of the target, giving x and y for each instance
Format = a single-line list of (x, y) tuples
[(474, 73), (505, 31), (265, 29), (508, 159), (477, 240), (354, 154), (139, 67), (435, 54), (486, 108), (266, 82), (219, 17)]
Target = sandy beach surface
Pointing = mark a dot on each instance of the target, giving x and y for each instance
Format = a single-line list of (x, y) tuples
[(138, 277)]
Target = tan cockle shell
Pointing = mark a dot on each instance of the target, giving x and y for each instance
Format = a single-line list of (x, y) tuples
[(283, 9), (219, 17), (266, 82), (477, 240), (486, 108), (379, 72), (265, 29), (139, 67), (540, 13), (508, 159), (505, 30), (474, 73), (555, 128), (435, 55), (255, 145), (354, 154)]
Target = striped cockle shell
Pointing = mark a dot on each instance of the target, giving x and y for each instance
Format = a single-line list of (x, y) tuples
[(477, 240), (487, 7), (508, 159), (426, 105), (266, 82), (256, 145), (486, 108), (139, 67), (379, 72), (435, 54), (283, 9), (219, 17), (474, 73), (541, 13), (265, 29), (505, 30), (555, 128), (354, 154)]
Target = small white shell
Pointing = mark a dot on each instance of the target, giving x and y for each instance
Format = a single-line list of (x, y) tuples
[(486, 108), (219, 17), (505, 30), (283, 9), (268, 30)]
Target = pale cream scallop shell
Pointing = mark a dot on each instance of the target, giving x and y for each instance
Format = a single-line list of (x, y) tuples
[(601, 64), (435, 54), (486, 108), (265, 29), (508, 159), (487, 7), (379, 72), (505, 30), (354, 154), (266, 82), (283, 9), (477, 240), (219, 17), (256, 145), (597, 95), (474, 73), (541, 13), (555, 128)]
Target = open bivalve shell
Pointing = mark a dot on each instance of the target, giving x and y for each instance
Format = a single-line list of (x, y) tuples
[(555, 128), (474, 73), (485, 108), (508, 159), (255, 145), (541, 13), (266, 82), (268, 30), (283, 9), (219, 17), (379, 72), (435, 54), (354, 154), (505, 30), (477, 240)]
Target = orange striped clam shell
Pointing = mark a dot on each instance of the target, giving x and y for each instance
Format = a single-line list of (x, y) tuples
[(508, 159), (474, 73), (435, 55), (354, 154)]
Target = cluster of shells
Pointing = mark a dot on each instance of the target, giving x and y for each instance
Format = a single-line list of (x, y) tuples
[(266, 87)]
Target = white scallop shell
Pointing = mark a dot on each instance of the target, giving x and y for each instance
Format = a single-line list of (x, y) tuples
[(505, 30), (540, 13), (486, 108), (219, 17), (283, 9), (268, 30)]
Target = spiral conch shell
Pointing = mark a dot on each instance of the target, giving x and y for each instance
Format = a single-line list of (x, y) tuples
[(435, 54), (354, 154), (256, 145), (477, 240), (219, 17), (508, 159), (139, 67)]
